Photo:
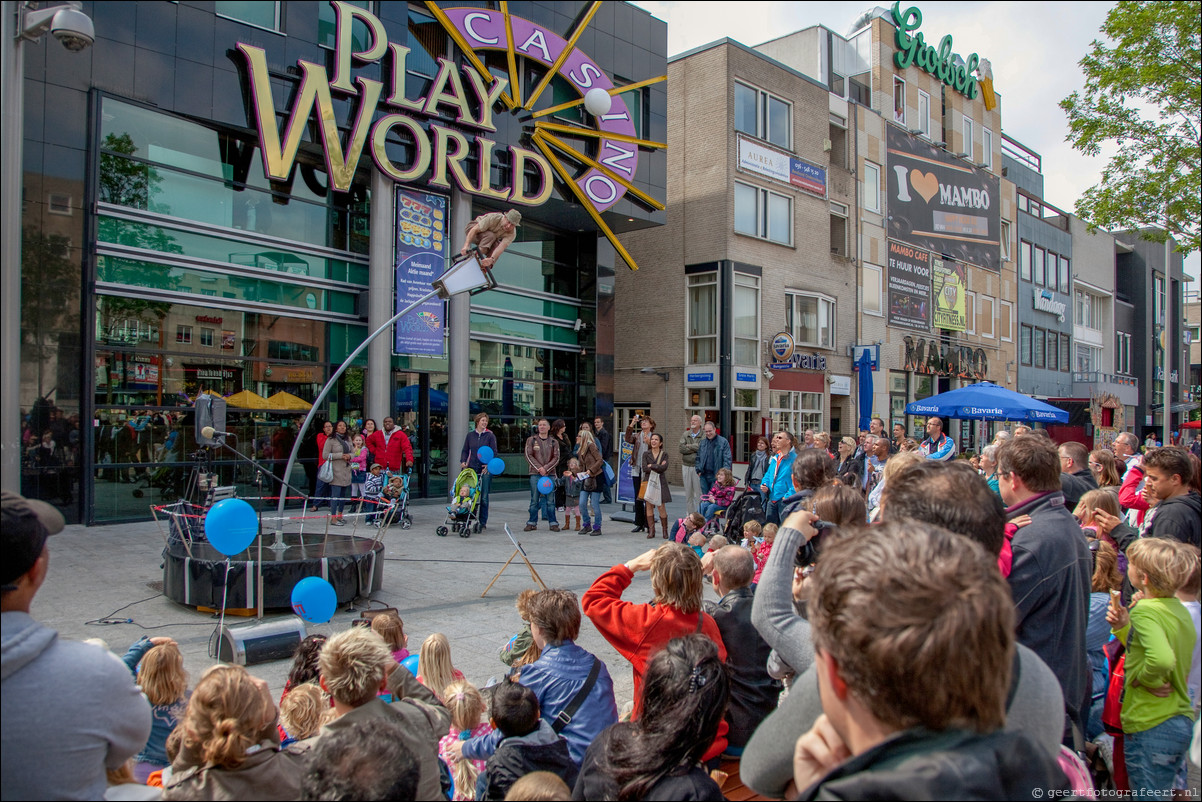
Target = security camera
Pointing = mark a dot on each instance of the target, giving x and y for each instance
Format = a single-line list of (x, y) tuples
[(74, 29), (769, 375), (578, 325)]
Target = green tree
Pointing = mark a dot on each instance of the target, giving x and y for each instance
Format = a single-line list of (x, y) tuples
[(1143, 93)]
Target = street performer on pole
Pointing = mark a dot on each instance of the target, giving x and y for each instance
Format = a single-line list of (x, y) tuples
[(491, 233)]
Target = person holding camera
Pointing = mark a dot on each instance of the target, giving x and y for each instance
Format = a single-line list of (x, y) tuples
[(638, 434)]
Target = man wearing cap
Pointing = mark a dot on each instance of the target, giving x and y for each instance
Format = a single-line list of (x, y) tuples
[(70, 710), (492, 233)]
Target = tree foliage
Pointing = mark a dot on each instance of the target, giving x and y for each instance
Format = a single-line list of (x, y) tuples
[(1143, 93)]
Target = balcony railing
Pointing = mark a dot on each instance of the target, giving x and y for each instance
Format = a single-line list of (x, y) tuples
[(1093, 377)]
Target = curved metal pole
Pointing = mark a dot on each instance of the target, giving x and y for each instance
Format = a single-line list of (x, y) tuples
[(279, 537)]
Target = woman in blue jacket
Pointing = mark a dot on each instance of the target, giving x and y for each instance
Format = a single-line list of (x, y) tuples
[(778, 479)]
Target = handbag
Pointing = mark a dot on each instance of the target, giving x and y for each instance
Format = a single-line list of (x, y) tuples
[(642, 490), (326, 472), (609, 473), (653, 495)]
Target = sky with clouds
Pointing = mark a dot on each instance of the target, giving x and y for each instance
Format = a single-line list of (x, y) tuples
[(1034, 48)]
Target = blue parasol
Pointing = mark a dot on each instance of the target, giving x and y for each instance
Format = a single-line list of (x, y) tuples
[(987, 401)]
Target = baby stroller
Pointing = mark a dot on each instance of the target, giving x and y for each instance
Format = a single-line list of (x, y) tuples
[(396, 499), (463, 512), (746, 507)]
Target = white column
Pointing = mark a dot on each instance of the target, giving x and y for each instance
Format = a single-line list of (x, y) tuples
[(12, 69), (459, 311)]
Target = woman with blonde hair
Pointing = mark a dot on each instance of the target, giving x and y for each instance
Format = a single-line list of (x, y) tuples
[(303, 712), (1104, 468), (590, 460), (467, 709), (434, 668), (823, 440), (230, 746), (165, 684)]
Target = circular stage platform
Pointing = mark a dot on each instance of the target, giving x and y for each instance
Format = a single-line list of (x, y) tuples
[(195, 573)]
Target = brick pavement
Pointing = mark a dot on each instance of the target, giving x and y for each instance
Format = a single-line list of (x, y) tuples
[(435, 582)]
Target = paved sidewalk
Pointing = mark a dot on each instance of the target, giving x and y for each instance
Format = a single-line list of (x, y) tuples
[(435, 582)]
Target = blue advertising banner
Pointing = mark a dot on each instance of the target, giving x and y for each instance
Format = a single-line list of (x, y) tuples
[(627, 492), (421, 248)]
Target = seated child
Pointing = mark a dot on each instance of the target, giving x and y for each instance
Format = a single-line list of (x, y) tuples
[(373, 490), (521, 650), (303, 712), (751, 534), (686, 526), (716, 542), (392, 629), (539, 785), (720, 496), (760, 552), (434, 669), (164, 682), (462, 507), (466, 706), (697, 543), (528, 743), (393, 492)]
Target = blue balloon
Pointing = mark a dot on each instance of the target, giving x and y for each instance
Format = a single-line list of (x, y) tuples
[(231, 525), (314, 600), (545, 485), (410, 663), (485, 454), (496, 466)]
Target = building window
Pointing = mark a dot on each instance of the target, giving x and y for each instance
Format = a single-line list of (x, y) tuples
[(1005, 321), (206, 338), (1090, 310), (899, 100), (1053, 350), (838, 141), (810, 319), (747, 320), (261, 15), (1024, 259), (923, 124), (873, 295), (1066, 350), (795, 412), (1089, 358), (1005, 241), (703, 319), (1038, 274), (1065, 275), (59, 203), (968, 138), (970, 312), (183, 335), (763, 213), (763, 115), (1024, 343), (872, 187), (985, 317), (1158, 300), (838, 229), (1039, 344), (987, 148)]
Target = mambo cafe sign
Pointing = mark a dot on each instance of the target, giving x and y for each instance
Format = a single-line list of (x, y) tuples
[(441, 151)]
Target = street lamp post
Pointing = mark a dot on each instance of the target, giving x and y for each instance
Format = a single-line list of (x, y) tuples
[(21, 23), (464, 276)]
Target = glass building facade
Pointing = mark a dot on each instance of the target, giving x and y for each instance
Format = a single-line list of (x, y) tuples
[(161, 262)]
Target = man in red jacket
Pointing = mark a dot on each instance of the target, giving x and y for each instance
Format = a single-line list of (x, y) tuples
[(390, 447)]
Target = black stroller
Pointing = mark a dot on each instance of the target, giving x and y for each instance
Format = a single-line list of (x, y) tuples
[(747, 507)]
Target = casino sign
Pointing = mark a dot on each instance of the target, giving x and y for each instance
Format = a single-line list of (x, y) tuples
[(598, 170)]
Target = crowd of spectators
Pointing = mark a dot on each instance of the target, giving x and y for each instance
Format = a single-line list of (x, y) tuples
[(904, 624)]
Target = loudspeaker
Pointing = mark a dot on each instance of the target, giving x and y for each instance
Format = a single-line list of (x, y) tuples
[(261, 642), (210, 411), (365, 618)]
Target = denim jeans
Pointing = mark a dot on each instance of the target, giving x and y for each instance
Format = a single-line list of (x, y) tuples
[(1154, 756), (707, 481), (772, 512), (337, 493), (539, 501), (322, 492), (708, 508), (485, 487), (590, 497)]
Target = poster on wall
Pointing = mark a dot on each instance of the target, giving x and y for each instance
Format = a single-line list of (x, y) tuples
[(942, 203), (627, 492), (949, 284), (909, 287), (421, 248)]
